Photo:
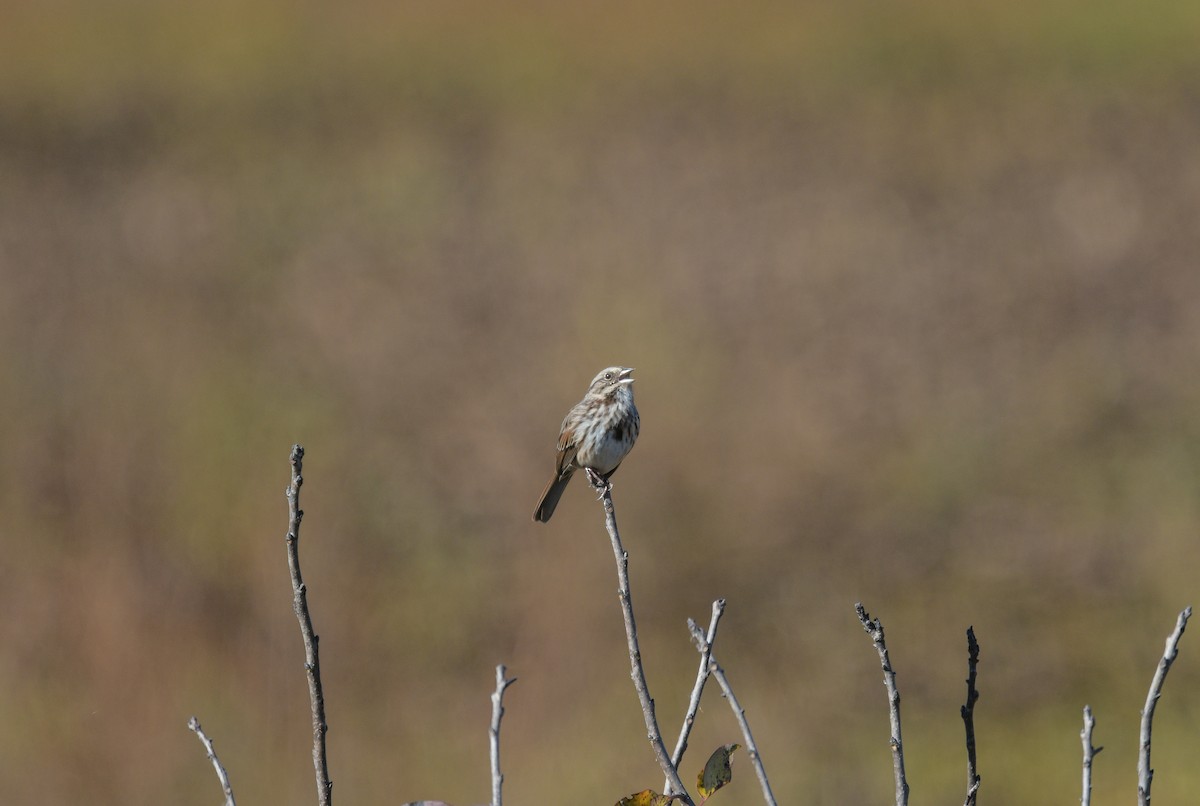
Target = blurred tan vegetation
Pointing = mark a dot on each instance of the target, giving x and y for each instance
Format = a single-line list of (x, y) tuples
[(912, 291)]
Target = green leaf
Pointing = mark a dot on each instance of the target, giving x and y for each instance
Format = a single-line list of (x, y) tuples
[(716, 772), (647, 797)]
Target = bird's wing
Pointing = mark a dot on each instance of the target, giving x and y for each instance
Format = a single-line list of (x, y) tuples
[(568, 445), (566, 455)]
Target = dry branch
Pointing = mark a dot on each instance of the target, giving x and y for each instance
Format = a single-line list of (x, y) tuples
[(222, 776), (689, 719), (502, 683), (739, 713), (312, 665), (1089, 753), (874, 628), (1145, 772), (674, 784), (968, 716)]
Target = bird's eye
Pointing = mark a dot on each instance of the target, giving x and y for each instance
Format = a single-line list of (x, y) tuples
[(608, 376)]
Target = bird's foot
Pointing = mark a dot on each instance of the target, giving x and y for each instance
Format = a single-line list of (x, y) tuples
[(598, 482)]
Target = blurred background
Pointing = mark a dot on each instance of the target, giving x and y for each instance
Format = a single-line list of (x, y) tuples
[(911, 290)]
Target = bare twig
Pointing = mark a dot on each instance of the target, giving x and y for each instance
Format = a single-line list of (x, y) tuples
[(1089, 753), (494, 734), (1145, 773), (222, 776), (874, 629), (968, 716), (674, 784), (739, 713), (689, 719), (300, 605)]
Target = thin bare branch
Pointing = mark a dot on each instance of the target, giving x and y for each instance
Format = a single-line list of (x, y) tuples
[(674, 784), (1089, 753), (968, 716), (222, 776), (1145, 773), (689, 719), (738, 712), (312, 665), (874, 628), (494, 734)]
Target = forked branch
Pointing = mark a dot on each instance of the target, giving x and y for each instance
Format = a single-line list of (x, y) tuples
[(674, 784), (502, 683), (739, 713), (689, 719)]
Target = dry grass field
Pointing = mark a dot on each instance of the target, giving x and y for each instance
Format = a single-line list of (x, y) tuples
[(912, 291)]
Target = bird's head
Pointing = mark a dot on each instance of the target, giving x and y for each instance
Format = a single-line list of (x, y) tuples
[(611, 381)]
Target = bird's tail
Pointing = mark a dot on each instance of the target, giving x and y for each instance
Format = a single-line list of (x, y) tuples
[(550, 496)]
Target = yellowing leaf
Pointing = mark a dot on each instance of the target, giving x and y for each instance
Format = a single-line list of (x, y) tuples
[(647, 797), (716, 772)]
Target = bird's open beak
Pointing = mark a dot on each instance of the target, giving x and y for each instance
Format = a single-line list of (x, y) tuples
[(624, 376)]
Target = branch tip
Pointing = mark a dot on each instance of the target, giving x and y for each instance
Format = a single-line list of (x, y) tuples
[(312, 664), (874, 628), (222, 775), (1145, 772)]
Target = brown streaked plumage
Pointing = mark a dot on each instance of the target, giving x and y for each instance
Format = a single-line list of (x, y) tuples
[(597, 433)]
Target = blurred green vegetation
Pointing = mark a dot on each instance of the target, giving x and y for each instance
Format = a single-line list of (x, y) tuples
[(911, 290)]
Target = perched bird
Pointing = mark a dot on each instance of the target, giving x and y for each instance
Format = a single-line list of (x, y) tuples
[(596, 434)]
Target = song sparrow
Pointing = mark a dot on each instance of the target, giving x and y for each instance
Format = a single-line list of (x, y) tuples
[(596, 434)]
